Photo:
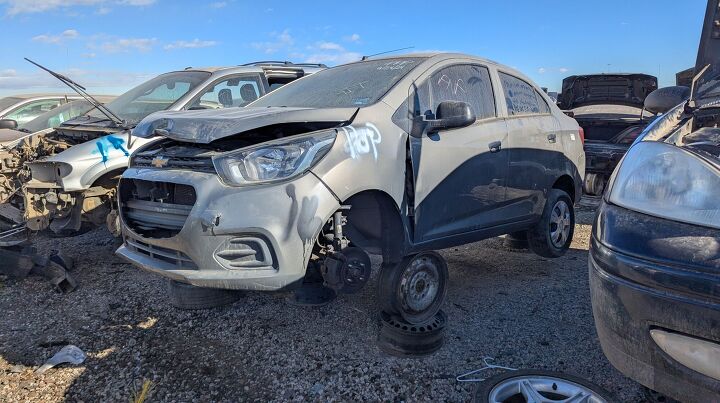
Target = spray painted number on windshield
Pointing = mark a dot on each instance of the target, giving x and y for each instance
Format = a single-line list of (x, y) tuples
[(362, 140)]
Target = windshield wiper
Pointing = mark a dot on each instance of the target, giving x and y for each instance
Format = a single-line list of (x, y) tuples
[(81, 90)]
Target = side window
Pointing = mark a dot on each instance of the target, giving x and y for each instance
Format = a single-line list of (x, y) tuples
[(234, 91), (467, 83), (544, 107), (32, 110), (521, 98)]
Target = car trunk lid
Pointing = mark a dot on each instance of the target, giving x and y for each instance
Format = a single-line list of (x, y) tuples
[(595, 89)]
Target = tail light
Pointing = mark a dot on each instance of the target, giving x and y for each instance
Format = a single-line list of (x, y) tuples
[(581, 132)]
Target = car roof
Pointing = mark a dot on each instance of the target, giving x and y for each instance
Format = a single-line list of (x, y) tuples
[(258, 67)]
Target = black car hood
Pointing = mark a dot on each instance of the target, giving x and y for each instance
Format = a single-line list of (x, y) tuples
[(205, 126), (594, 89)]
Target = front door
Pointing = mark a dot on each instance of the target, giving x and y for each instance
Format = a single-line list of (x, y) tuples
[(460, 174)]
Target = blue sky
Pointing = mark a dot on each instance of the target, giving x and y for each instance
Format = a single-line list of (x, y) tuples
[(111, 45)]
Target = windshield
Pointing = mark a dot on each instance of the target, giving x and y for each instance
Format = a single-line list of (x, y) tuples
[(349, 86), (57, 116), (155, 95), (8, 102)]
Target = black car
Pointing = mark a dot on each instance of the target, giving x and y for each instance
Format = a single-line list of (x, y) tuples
[(655, 252), (609, 108)]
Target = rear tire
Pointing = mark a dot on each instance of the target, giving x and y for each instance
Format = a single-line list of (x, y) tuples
[(189, 297), (552, 235)]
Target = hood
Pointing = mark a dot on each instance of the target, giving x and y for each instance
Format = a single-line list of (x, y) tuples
[(89, 121), (205, 126), (10, 135), (595, 89)]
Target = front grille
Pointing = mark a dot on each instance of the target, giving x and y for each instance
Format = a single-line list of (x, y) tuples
[(155, 209), (176, 258), (198, 164)]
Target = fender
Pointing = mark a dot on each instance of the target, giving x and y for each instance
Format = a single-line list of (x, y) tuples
[(81, 165)]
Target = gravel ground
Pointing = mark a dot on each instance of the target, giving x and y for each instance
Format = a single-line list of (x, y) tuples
[(526, 311)]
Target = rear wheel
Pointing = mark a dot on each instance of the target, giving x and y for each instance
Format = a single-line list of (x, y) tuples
[(552, 235), (189, 297), (415, 288)]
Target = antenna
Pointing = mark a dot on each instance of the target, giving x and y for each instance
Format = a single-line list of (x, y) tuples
[(389, 51)]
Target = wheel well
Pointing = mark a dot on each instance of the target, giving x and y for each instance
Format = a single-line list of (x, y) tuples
[(566, 184), (374, 224), (109, 179)]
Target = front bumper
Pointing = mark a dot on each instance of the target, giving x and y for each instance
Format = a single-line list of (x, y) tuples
[(252, 238), (636, 296)]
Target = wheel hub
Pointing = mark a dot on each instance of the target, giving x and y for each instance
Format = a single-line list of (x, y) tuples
[(560, 224), (419, 285)]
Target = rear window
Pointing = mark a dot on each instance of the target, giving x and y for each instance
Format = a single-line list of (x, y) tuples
[(522, 98)]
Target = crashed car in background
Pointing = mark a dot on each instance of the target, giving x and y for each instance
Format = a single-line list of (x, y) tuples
[(75, 182), (609, 108), (655, 249), (17, 110), (22, 144), (393, 156)]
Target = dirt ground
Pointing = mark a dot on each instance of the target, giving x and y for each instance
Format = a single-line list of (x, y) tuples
[(523, 310)]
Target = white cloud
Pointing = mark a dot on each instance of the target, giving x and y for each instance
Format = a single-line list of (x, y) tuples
[(56, 39), (280, 41), (542, 70), (330, 46), (218, 4), (39, 81), (90, 55), (353, 38), (563, 69), (195, 43), (128, 44), (103, 10), (15, 7), (334, 58)]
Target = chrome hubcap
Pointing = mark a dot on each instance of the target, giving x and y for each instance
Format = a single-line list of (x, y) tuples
[(419, 284), (542, 389), (560, 224)]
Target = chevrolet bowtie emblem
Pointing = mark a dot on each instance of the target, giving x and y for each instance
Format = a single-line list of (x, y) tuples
[(159, 162)]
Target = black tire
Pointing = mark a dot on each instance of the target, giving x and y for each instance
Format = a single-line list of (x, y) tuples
[(487, 387), (516, 240), (405, 340), (188, 297), (541, 237), (428, 272)]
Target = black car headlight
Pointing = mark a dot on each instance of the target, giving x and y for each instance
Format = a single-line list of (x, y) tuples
[(273, 161), (666, 181)]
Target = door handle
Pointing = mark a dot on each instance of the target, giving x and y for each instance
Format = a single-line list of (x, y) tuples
[(495, 146), (551, 137)]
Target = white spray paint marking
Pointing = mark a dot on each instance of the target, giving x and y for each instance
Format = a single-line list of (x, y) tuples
[(362, 140), (572, 136)]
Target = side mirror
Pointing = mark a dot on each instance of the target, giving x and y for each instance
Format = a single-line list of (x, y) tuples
[(666, 98), (8, 124)]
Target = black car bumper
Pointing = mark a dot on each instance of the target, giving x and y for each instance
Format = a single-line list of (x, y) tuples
[(639, 288)]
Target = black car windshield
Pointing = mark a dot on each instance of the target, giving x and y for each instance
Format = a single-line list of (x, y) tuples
[(350, 86), (155, 95)]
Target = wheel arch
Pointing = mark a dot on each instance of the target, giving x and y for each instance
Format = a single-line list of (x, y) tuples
[(567, 184), (374, 223)]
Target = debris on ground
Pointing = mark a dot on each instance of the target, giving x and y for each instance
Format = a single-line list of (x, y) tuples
[(67, 355), (19, 263)]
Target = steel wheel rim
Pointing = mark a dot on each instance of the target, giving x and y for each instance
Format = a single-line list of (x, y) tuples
[(419, 284), (560, 224), (543, 389)]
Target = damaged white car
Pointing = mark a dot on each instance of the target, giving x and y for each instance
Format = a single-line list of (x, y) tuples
[(75, 182), (395, 156)]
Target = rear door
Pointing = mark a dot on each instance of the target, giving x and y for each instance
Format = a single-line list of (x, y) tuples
[(459, 180), (535, 147)]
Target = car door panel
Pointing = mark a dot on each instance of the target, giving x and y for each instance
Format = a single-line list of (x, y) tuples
[(458, 180)]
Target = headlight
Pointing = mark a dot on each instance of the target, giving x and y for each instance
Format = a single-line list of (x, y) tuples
[(273, 161), (662, 180)]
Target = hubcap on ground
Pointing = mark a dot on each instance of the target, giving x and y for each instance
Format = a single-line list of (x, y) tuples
[(541, 389), (419, 284), (560, 224)]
